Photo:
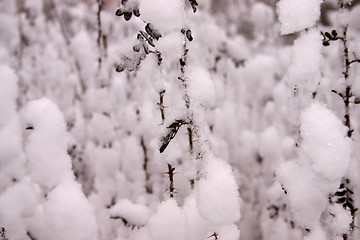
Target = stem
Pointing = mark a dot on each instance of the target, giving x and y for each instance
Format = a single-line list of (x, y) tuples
[(348, 92), (183, 79), (161, 105), (146, 160), (100, 36)]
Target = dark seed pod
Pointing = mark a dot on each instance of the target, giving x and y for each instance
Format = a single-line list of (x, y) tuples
[(188, 35), (340, 193), (120, 68), (140, 37), (154, 33), (146, 49), (182, 62), (136, 12), (326, 43), (334, 33), (328, 35), (183, 30), (119, 12), (127, 16), (341, 200), (137, 47)]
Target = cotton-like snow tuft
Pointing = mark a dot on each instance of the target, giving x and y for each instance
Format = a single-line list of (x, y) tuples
[(69, 214), (201, 87), (325, 146), (46, 145), (136, 214), (295, 15), (166, 17), (168, 222), (217, 195)]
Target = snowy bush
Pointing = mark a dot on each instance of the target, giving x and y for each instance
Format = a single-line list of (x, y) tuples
[(179, 119)]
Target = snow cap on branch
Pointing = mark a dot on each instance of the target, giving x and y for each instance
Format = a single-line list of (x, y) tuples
[(295, 15)]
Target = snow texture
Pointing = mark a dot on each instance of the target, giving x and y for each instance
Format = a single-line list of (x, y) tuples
[(304, 74), (323, 159), (69, 214), (217, 196), (201, 87), (168, 222), (325, 146), (136, 214), (297, 15), (46, 146), (17, 203), (165, 17)]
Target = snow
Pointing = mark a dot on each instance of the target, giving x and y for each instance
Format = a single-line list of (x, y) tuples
[(8, 94), (168, 222), (323, 159), (165, 17), (296, 16), (261, 15), (201, 87), (46, 146), (134, 213), (69, 214), (304, 74), (307, 201), (325, 146), (217, 193), (171, 46), (17, 203)]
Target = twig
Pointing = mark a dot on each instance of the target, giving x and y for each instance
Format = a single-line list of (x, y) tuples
[(145, 165), (171, 173)]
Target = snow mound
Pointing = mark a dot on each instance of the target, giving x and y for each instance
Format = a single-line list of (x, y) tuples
[(218, 199), (295, 15), (137, 214)]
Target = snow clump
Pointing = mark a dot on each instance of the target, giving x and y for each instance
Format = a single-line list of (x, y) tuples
[(295, 15)]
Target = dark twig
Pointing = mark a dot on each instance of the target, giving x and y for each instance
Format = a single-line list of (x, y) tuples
[(100, 35), (215, 235), (161, 105), (173, 129), (145, 165), (171, 173)]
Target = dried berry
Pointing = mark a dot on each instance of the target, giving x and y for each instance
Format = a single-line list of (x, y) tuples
[(188, 35), (120, 68), (119, 12), (136, 12), (127, 16)]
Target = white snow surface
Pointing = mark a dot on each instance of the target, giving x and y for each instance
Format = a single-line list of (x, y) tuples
[(217, 195), (201, 87), (168, 222), (295, 15), (323, 159), (165, 17), (325, 146), (134, 213), (69, 214), (46, 146), (304, 74)]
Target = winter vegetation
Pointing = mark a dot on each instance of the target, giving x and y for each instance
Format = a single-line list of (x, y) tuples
[(179, 119)]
